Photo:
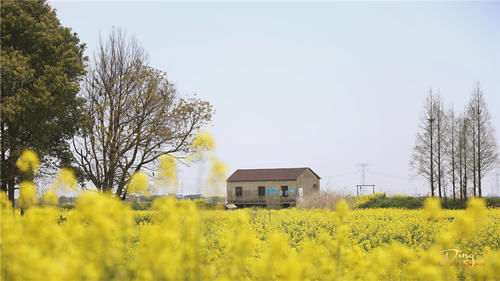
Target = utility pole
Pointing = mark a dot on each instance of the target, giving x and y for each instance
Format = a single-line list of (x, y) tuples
[(363, 166)]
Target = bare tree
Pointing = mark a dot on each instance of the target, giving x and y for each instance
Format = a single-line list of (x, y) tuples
[(453, 140), (471, 153), (462, 155), (133, 115), (484, 152), (441, 143), (423, 157)]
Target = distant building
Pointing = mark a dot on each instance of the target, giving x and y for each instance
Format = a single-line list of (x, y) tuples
[(272, 188), (66, 200), (192, 197)]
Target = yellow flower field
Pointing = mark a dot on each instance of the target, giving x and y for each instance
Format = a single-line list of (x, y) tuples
[(103, 239)]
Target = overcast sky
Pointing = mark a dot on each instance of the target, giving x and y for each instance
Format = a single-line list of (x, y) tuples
[(325, 85)]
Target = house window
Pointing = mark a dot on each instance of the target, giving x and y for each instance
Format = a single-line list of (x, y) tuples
[(239, 191), (262, 190), (271, 191), (284, 191)]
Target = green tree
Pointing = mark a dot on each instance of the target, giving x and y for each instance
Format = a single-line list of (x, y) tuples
[(42, 64)]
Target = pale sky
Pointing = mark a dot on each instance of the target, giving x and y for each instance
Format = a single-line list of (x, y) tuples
[(325, 85)]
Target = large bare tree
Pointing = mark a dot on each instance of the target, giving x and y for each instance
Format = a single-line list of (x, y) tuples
[(133, 115), (429, 158), (471, 153), (484, 151), (424, 153)]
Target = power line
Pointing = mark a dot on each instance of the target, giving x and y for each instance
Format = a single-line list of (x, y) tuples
[(399, 177), (343, 174)]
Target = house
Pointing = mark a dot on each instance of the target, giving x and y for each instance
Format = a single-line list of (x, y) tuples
[(272, 188)]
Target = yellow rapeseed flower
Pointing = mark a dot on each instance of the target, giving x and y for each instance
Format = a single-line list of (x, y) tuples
[(203, 142), (342, 208), (473, 218), (66, 180), (27, 196), (50, 197), (28, 160), (218, 172), (432, 208), (168, 169), (476, 207), (138, 182)]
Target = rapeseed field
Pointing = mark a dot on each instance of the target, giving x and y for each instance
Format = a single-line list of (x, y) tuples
[(102, 238)]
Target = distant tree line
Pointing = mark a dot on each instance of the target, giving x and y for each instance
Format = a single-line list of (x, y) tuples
[(454, 151)]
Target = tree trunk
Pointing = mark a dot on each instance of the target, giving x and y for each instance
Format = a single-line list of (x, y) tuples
[(479, 155), (453, 167), (465, 160), (3, 171), (439, 169), (460, 170), (460, 177), (11, 180), (453, 164), (474, 174), (439, 143), (432, 160), (11, 168)]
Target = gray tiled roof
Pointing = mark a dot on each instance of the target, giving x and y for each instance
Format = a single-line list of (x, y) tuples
[(267, 174)]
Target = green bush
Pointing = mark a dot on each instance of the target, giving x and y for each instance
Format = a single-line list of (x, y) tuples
[(365, 201), (493, 202), (204, 205), (381, 200), (397, 201), (141, 206), (67, 206)]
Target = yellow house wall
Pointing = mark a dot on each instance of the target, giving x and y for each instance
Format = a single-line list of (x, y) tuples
[(306, 181)]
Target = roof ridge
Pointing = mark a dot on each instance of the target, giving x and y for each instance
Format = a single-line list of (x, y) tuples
[(268, 174)]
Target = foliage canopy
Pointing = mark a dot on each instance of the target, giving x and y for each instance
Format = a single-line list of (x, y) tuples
[(42, 64)]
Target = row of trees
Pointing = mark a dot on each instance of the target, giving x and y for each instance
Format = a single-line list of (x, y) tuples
[(454, 151), (107, 117)]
